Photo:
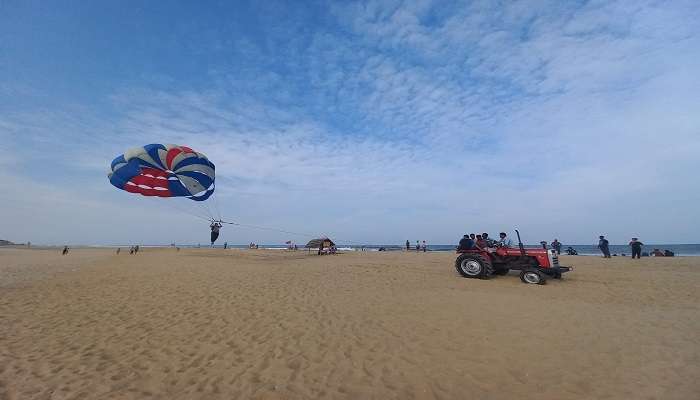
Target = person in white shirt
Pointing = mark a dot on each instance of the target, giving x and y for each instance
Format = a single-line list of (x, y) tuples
[(504, 240)]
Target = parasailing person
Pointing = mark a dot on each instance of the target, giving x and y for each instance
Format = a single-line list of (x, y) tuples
[(215, 226)]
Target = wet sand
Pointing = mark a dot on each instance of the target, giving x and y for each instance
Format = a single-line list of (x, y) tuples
[(216, 324)]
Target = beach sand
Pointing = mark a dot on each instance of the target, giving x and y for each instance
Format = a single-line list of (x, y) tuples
[(254, 324)]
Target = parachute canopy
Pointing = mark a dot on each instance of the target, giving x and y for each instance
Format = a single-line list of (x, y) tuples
[(164, 170)]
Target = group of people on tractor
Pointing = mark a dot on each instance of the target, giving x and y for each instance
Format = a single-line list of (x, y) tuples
[(483, 241)]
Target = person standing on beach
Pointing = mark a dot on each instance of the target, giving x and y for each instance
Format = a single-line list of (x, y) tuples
[(636, 246), (556, 245), (424, 247), (417, 245), (604, 246), (65, 250), (408, 245)]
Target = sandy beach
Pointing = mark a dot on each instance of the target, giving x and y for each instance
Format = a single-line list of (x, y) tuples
[(246, 324)]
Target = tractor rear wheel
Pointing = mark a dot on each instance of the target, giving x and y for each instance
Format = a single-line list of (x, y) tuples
[(473, 266), (532, 276)]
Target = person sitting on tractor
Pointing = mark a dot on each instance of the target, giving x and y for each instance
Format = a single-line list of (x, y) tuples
[(466, 243), (480, 242), (489, 242), (504, 240)]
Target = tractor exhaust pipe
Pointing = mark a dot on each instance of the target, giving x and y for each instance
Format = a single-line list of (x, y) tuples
[(520, 244)]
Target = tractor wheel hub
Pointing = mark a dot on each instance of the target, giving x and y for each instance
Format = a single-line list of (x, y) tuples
[(471, 267)]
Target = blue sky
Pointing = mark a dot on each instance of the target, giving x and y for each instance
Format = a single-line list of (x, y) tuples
[(368, 121)]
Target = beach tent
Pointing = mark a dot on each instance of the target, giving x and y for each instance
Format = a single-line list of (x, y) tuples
[(320, 243)]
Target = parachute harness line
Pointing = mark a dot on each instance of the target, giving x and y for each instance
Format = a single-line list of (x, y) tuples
[(263, 228), (279, 230)]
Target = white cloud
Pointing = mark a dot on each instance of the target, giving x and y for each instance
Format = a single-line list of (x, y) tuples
[(562, 121)]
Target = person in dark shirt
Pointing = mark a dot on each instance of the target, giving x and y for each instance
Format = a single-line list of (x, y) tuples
[(604, 246), (215, 227), (408, 245), (466, 243), (636, 246), (556, 245), (489, 242)]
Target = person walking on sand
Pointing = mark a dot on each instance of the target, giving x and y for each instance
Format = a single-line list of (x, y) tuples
[(604, 246), (636, 246), (119, 250), (424, 247), (556, 245), (65, 250), (408, 245)]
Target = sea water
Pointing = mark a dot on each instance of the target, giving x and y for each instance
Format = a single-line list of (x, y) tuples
[(582, 249)]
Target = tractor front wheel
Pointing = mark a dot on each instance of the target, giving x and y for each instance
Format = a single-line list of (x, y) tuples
[(532, 276), (473, 266)]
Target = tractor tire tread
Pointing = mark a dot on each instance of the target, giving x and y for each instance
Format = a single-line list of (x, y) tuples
[(487, 268)]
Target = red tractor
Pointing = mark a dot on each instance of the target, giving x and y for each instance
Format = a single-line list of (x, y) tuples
[(535, 265)]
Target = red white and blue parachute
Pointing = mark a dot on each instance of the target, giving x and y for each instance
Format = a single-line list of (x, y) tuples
[(164, 170)]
